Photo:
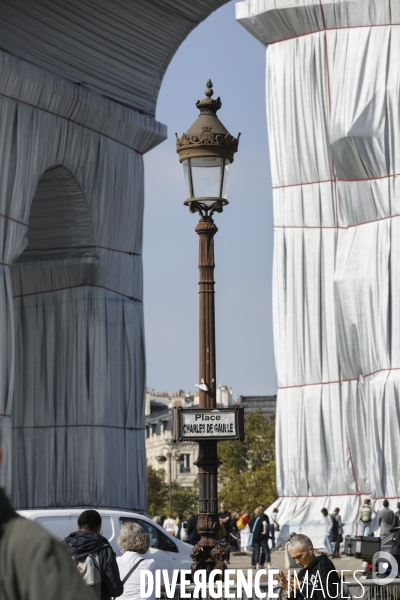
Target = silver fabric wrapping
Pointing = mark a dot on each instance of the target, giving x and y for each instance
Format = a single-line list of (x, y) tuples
[(71, 314), (120, 49), (333, 119)]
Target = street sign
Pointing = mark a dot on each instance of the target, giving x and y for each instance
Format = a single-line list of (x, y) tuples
[(198, 424)]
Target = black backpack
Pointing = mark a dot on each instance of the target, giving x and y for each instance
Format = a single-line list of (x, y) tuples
[(335, 528), (395, 549)]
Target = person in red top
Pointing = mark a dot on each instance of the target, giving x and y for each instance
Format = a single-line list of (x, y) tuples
[(245, 533)]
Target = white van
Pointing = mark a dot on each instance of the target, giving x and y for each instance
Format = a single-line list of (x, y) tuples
[(167, 551)]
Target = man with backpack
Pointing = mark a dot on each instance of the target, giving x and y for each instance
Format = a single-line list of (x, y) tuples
[(95, 559), (365, 517)]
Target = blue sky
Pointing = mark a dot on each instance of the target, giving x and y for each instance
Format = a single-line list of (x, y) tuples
[(220, 49)]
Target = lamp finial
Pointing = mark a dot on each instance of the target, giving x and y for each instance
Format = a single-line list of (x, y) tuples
[(209, 105), (209, 91)]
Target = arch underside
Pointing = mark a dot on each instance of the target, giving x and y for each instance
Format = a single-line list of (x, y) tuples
[(120, 50)]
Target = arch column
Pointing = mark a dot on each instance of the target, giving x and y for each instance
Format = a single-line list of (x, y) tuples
[(77, 403)]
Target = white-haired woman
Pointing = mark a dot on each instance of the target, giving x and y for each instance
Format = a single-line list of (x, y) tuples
[(134, 543)]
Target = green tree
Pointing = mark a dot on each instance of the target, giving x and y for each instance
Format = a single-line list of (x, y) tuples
[(247, 476), (157, 490), (183, 498)]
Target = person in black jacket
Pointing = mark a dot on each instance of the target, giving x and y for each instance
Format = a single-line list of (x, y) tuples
[(317, 579), (87, 540), (191, 529), (259, 527)]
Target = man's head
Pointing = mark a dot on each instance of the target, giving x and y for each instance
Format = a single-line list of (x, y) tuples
[(336, 511), (222, 506), (259, 511), (367, 501), (301, 550), (385, 504), (89, 520), (398, 505), (324, 512), (275, 510), (190, 513)]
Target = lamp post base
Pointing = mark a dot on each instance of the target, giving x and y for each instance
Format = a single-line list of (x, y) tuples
[(208, 553)]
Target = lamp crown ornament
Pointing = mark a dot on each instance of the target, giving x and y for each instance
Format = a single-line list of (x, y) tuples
[(207, 136)]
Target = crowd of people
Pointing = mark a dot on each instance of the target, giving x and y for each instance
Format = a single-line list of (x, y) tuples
[(386, 520), (252, 535), (33, 565)]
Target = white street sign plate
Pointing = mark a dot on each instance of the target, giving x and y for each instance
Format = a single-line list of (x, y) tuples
[(218, 424)]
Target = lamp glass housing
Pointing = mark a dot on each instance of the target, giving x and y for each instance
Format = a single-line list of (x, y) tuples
[(206, 178), (185, 167), (225, 180)]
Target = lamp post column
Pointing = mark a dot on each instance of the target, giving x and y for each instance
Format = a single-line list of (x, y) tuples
[(208, 553), (170, 480), (206, 152)]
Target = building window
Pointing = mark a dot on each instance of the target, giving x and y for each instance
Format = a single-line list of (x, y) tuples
[(185, 464)]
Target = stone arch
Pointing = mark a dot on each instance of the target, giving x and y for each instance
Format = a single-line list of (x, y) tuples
[(60, 222), (50, 280)]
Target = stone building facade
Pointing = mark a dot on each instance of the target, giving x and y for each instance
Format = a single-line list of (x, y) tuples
[(159, 421)]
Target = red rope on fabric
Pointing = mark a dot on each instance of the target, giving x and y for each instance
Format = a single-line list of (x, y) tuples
[(71, 287), (386, 497), (358, 494), (279, 187), (293, 37), (322, 15), (78, 425), (325, 495), (82, 248), (335, 226), (307, 227), (329, 110), (338, 179), (69, 119), (289, 387), (15, 220), (7, 416)]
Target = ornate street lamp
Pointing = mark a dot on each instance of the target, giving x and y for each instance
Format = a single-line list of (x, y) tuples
[(206, 152)]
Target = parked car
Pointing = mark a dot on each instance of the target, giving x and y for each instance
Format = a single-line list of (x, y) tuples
[(166, 550)]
